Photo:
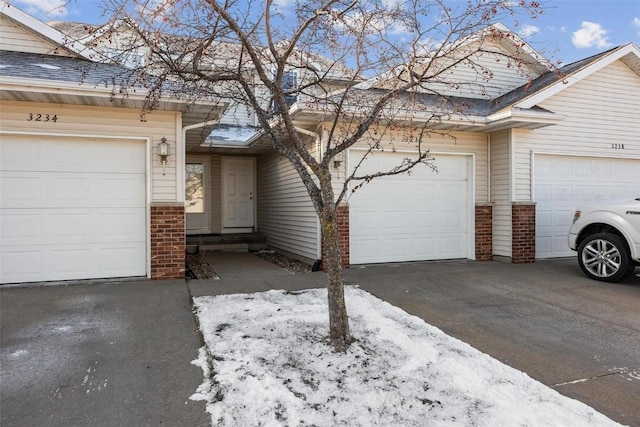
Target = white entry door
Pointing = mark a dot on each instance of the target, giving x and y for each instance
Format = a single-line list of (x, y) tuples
[(238, 194), (197, 195)]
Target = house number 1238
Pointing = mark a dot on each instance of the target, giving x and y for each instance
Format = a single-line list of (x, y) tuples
[(38, 117), (617, 146)]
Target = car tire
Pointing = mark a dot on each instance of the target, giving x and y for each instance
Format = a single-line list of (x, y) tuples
[(605, 257)]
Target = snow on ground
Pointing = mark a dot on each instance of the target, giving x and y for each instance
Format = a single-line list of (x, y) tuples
[(266, 363)]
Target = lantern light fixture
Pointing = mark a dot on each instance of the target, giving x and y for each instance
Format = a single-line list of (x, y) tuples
[(163, 152)]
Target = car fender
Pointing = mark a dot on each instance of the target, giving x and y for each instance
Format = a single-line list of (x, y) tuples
[(614, 220)]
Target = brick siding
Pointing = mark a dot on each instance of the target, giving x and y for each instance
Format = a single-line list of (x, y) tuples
[(342, 214), (167, 241), (484, 231), (523, 235)]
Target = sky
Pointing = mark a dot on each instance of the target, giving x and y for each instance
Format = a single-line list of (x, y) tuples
[(265, 363), (567, 30)]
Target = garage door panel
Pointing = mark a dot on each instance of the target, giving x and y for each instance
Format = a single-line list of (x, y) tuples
[(72, 209), (562, 183), (424, 215), (68, 262), (51, 190), (424, 221), (451, 220)]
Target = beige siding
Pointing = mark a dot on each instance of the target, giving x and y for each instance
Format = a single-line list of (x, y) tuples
[(601, 110), (487, 74), (216, 193), (458, 142), (500, 155), (285, 212), (14, 37), (238, 115), (103, 122)]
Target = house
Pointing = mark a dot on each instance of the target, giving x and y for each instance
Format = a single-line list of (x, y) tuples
[(84, 192), (511, 169)]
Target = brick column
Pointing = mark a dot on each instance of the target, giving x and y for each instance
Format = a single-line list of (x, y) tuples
[(342, 213), (484, 231), (523, 232), (167, 241)]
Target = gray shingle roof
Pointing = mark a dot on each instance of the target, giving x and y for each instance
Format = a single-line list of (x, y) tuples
[(65, 69)]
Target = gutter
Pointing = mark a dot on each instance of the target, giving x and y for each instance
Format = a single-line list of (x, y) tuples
[(99, 90)]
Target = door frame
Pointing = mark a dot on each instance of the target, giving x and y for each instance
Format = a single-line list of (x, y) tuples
[(206, 161), (223, 177)]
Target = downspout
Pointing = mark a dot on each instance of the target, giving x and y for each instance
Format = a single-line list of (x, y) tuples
[(184, 148), (489, 167)]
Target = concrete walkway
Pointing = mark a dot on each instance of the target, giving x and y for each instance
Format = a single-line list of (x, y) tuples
[(244, 272)]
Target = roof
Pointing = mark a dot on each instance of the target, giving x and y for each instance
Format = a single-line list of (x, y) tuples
[(64, 69), (545, 81), (45, 30), (90, 34)]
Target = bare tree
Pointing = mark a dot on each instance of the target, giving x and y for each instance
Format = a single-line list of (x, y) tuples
[(379, 74)]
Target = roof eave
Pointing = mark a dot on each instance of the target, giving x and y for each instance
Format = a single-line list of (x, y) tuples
[(518, 118), (84, 90)]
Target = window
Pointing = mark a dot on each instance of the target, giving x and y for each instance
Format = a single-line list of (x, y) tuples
[(289, 85), (194, 188)]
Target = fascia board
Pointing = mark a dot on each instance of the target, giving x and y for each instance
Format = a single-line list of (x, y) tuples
[(46, 31), (511, 115), (571, 79), (82, 89)]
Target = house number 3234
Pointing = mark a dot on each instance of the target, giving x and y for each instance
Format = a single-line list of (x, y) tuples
[(617, 146), (39, 117)]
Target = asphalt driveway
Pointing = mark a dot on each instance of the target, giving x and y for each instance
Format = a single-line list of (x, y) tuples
[(576, 335), (107, 354), (99, 354)]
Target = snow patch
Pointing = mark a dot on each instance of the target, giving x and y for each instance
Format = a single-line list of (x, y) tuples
[(266, 362)]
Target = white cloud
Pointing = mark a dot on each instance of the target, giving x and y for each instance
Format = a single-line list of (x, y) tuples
[(590, 34), (283, 4), (529, 30), (48, 7), (636, 23)]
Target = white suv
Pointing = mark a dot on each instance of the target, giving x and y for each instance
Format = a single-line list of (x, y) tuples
[(607, 238)]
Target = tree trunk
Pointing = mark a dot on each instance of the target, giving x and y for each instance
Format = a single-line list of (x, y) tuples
[(338, 320)]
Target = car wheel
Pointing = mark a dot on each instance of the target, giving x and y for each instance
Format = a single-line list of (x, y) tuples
[(605, 257)]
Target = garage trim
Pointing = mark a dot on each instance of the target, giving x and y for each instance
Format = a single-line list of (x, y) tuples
[(147, 142), (471, 189)]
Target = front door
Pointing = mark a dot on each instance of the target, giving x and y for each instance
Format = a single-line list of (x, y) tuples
[(197, 202), (238, 195)]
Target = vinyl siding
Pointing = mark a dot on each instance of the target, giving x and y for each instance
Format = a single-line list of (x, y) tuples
[(486, 75), (216, 193), (500, 155), (15, 38), (285, 212), (600, 110), (104, 122)]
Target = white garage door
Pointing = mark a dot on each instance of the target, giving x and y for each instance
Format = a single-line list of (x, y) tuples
[(564, 182), (422, 216), (71, 209)]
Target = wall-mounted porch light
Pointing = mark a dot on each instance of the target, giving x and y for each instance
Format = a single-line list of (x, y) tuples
[(163, 152)]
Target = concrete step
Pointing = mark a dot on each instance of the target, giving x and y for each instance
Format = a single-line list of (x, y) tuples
[(224, 247)]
